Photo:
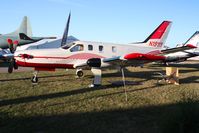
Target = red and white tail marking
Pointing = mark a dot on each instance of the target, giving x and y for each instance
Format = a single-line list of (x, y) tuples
[(158, 37), (160, 30)]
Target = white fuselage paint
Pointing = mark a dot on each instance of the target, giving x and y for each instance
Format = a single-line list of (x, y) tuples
[(62, 56)]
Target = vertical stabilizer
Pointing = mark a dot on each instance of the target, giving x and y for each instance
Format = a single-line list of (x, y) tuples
[(25, 28), (193, 40), (65, 35), (158, 38)]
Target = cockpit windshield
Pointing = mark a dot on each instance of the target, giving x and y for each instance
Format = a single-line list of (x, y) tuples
[(68, 45), (78, 47)]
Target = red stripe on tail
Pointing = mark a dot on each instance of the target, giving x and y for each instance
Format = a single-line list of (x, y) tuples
[(160, 30)]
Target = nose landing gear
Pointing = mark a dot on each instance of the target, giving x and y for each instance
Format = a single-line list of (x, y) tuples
[(34, 79)]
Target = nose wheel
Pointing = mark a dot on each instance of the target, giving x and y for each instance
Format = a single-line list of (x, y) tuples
[(34, 79)]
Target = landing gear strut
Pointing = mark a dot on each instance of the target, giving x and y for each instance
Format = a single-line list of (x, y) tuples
[(34, 79), (97, 72)]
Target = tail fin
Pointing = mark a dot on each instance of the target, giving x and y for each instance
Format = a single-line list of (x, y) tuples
[(25, 28), (65, 35), (158, 38), (193, 40)]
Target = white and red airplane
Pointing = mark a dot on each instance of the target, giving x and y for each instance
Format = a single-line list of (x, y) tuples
[(96, 55)]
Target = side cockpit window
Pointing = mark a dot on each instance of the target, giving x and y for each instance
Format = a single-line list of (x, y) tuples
[(78, 47)]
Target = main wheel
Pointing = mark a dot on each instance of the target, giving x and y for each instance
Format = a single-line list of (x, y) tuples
[(34, 79), (80, 74)]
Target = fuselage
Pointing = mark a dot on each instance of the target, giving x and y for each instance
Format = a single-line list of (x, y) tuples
[(77, 53)]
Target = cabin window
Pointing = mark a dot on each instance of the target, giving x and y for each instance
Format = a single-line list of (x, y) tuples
[(78, 47), (100, 48), (114, 49), (90, 47)]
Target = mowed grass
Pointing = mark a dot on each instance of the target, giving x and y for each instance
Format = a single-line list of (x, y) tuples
[(62, 103)]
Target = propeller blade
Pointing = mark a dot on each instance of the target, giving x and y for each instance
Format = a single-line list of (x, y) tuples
[(65, 35), (10, 45), (15, 45)]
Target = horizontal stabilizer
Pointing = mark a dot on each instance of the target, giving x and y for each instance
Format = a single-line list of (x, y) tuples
[(178, 49), (25, 37), (35, 39)]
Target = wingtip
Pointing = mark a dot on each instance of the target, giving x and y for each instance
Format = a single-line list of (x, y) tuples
[(191, 46)]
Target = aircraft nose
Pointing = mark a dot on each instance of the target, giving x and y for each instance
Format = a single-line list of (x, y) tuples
[(17, 53)]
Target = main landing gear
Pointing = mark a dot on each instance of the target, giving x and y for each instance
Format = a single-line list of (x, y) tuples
[(79, 73), (97, 72), (34, 79)]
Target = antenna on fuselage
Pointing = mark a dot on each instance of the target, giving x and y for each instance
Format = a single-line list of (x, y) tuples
[(65, 35)]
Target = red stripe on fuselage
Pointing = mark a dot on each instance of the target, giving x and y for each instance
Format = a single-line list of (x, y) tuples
[(44, 65), (75, 56)]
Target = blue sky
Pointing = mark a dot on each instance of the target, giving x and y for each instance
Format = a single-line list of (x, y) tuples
[(118, 21)]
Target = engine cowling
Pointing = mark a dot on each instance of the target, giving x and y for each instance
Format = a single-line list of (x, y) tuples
[(94, 62)]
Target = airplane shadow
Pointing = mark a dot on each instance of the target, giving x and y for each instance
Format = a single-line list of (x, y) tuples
[(192, 79), (40, 77), (179, 117), (65, 94), (105, 95), (144, 76)]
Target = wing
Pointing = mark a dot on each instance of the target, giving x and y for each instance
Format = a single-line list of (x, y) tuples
[(5, 55), (134, 59), (138, 59)]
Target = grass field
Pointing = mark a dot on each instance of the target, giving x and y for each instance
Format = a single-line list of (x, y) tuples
[(62, 103)]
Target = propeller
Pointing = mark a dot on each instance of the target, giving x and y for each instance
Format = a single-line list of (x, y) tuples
[(12, 46)]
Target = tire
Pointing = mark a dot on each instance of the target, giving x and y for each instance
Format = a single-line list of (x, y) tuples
[(34, 79), (80, 74), (10, 67)]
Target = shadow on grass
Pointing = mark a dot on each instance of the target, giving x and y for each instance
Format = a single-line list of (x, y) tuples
[(121, 91), (146, 75), (65, 94), (191, 79), (181, 117), (40, 77)]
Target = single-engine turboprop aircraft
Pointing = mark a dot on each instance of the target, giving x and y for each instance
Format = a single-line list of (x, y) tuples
[(96, 55), (22, 36)]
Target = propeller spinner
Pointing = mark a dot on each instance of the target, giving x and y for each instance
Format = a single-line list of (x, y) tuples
[(12, 46)]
